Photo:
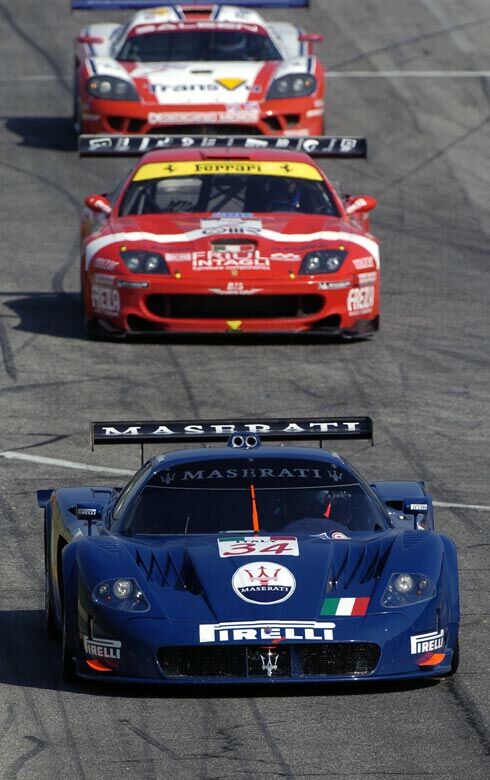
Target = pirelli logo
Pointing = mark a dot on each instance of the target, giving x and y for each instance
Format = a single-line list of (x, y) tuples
[(425, 643)]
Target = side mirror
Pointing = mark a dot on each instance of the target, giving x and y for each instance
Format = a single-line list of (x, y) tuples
[(88, 512), (310, 37), (360, 204), (89, 39), (98, 203)]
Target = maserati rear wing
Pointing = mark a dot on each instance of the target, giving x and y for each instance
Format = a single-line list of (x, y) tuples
[(206, 431), (135, 145)]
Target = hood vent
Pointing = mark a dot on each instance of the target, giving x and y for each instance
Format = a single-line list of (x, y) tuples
[(169, 571), (353, 563)]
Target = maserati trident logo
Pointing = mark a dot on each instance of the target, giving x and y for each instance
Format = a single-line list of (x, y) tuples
[(263, 583), (269, 662)]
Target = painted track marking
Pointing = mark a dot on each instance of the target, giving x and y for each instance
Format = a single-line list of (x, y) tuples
[(72, 464), (336, 74)]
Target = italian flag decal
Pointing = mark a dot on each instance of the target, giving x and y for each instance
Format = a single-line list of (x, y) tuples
[(354, 607)]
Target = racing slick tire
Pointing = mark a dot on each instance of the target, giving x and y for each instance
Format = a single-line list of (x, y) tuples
[(68, 669), (49, 621)]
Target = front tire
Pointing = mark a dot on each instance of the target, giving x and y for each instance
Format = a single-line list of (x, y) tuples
[(68, 668)]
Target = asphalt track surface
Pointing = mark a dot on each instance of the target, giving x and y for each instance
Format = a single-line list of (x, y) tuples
[(424, 379)]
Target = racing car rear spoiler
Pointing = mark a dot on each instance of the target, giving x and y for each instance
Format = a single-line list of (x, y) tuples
[(133, 145), (94, 5), (279, 429)]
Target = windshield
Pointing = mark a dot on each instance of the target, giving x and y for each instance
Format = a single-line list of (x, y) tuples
[(232, 193), (273, 495), (199, 46)]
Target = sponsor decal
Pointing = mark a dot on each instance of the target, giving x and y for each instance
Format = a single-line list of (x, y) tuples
[(102, 648), (231, 225), (359, 300), (105, 263), (235, 288), (210, 167), (272, 631), (334, 285), (250, 472), (367, 278), (331, 427), (287, 257), (424, 643), (105, 300), (230, 84), (263, 583), (222, 261), (418, 507), (258, 545), (360, 263), (345, 607), (187, 87), (338, 535), (249, 113)]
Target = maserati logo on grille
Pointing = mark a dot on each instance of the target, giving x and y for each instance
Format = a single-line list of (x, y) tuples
[(263, 583), (269, 662)]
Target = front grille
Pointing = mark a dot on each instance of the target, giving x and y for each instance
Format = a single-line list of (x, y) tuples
[(203, 129), (278, 661), (342, 658), (234, 306)]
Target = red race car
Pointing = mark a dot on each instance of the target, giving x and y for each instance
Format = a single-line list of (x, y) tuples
[(228, 234), (194, 69)]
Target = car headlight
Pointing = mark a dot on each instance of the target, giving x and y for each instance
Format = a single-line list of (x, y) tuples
[(325, 261), (140, 262), (292, 85), (111, 88), (407, 588), (123, 594)]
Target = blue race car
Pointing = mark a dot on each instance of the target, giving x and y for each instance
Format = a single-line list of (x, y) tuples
[(248, 563)]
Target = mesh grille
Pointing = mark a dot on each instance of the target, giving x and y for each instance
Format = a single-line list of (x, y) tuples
[(285, 661), (342, 658)]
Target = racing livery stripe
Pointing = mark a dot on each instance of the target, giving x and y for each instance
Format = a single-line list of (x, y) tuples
[(179, 238)]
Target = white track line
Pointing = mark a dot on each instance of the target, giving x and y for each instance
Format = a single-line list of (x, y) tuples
[(71, 464), (64, 464), (335, 74), (408, 74)]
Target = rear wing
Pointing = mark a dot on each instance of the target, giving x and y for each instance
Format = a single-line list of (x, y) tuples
[(280, 429), (134, 145), (94, 5)]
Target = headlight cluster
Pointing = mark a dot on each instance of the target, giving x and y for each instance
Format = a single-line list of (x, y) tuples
[(325, 261), (404, 589), (292, 85), (122, 594), (140, 262), (111, 88)]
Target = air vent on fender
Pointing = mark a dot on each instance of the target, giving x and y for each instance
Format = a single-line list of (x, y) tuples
[(358, 563)]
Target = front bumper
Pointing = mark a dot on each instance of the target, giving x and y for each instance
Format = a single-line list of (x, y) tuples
[(161, 652), (170, 305), (299, 116)]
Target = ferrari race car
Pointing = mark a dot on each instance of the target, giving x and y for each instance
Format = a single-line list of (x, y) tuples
[(197, 68), (248, 563), (228, 234)]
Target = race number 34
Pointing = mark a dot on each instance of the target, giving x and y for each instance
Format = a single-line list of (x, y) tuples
[(258, 545)]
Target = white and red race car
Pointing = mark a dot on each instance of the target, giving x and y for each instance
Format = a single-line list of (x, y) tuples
[(198, 69)]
